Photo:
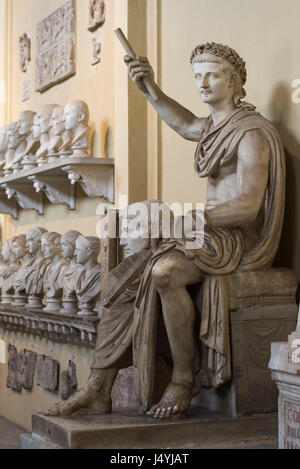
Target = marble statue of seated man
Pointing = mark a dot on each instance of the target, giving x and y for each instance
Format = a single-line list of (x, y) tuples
[(241, 155), (116, 328)]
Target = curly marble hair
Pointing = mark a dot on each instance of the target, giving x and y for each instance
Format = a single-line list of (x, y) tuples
[(219, 53)]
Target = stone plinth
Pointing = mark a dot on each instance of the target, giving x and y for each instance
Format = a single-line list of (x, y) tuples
[(286, 373), (125, 428)]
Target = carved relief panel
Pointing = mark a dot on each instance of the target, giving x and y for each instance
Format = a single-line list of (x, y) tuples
[(56, 41)]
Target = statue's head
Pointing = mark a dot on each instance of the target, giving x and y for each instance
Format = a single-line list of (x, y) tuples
[(87, 247), (13, 137), (36, 128), (76, 113), (220, 73), (57, 121), (3, 139), (25, 122), (143, 221), (19, 246), (33, 239), (51, 243), (68, 243), (44, 116)]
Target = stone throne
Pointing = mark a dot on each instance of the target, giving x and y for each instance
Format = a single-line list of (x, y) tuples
[(263, 310)]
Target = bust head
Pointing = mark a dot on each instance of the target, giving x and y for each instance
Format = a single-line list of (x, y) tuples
[(19, 246), (44, 116), (76, 113), (51, 242), (3, 139), (13, 137), (57, 121), (140, 221), (68, 243), (33, 240), (25, 122), (220, 73), (36, 128), (87, 248)]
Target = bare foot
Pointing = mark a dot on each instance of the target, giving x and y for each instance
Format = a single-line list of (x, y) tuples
[(173, 404), (86, 400)]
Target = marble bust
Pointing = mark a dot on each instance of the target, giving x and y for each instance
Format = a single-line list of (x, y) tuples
[(12, 267), (15, 147), (44, 120), (29, 157), (88, 285), (71, 273), (76, 115), (25, 124), (36, 270), (60, 137), (53, 277), (25, 260)]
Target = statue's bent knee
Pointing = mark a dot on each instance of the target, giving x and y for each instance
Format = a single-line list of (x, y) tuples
[(162, 273)]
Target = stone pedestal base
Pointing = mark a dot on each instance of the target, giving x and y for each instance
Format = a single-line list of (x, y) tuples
[(286, 373), (34, 302), (125, 428), (52, 305)]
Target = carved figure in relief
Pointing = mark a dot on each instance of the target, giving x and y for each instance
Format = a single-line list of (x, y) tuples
[(96, 14), (76, 116), (25, 53)]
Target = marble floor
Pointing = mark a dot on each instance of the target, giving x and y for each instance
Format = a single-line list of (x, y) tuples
[(9, 435)]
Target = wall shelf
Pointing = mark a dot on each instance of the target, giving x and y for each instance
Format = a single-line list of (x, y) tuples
[(57, 181)]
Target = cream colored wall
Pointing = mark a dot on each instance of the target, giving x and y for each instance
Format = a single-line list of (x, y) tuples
[(18, 407), (93, 84)]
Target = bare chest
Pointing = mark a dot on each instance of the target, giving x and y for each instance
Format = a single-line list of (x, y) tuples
[(222, 185)]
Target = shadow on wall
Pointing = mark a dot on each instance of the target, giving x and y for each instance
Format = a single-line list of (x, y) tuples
[(289, 249)]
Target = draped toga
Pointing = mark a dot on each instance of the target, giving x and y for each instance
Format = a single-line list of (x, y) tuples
[(221, 254)]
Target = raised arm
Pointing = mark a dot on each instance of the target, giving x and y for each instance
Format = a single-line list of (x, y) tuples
[(180, 119), (253, 157)]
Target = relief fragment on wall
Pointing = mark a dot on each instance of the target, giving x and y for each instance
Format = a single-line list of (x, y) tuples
[(25, 52), (56, 43), (96, 14)]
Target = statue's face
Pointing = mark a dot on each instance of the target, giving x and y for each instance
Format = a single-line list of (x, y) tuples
[(32, 243), (58, 126), (212, 81), (130, 239), (36, 129), (49, 250), (44, 122), (18, 250), (24, 125), (13, 138), (83, 253), (72, 116), (67, 248)]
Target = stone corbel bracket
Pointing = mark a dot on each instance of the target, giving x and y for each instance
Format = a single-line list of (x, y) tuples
[(7, 206), (25, 195), (54, 187), (94, 183)]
